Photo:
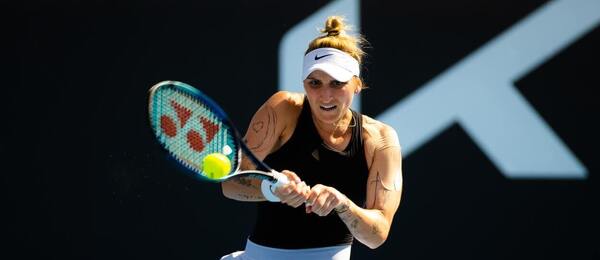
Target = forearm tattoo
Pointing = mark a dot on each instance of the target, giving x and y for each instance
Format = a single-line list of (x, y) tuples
[(342, 209), (375, 229), (354, 224), (249, 197), (247, 182), (361, 229)]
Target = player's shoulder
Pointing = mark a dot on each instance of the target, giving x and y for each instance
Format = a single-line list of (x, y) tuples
[(376, 127), (378, 134), (286, 107), (286, 98), (286, 101)]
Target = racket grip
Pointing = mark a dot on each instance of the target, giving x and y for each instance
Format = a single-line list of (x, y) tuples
[(280, 178), (268, 187)]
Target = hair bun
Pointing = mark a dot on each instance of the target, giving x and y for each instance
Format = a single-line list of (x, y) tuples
[(334, 36), (334, 26), (333, 33)]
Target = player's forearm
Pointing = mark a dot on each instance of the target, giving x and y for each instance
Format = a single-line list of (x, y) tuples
[(369, 226), (242, 189)]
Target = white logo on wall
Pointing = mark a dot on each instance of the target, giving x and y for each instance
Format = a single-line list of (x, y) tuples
[(478, 92)]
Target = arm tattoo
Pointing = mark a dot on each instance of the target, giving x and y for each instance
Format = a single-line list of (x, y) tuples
[(244, 181), (354, 224), (386, 190), (375, 229), (258, 126), (249, 197), (267, 127), (376, 181), (342, 210)]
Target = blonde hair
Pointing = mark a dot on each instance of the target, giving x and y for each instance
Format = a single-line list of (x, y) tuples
[(334, 36)]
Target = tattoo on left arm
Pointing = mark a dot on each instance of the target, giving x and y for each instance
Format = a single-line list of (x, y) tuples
[(378, 181), (343, 209), (375, 229), (354, 224)]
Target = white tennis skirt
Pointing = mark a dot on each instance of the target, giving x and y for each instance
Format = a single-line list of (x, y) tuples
[(257, 252)]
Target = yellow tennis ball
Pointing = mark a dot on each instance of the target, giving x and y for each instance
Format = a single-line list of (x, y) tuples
[(216, 165)]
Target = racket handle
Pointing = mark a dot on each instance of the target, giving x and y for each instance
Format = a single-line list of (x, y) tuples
[(268, 187), (281, 180)]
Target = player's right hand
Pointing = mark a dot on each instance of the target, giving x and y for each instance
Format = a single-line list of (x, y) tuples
[(295, 192)]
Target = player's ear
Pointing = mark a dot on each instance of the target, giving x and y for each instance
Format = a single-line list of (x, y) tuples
[(359, 85)]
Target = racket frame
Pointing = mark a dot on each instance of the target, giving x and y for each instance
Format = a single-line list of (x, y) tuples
[(263, 171)]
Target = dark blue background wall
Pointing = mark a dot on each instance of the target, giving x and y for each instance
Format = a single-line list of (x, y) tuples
[(84, 179)]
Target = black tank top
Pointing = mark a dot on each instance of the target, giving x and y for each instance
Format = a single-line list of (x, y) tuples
[(281, 226)]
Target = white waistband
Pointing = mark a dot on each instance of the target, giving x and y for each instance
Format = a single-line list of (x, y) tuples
[(256, 251)]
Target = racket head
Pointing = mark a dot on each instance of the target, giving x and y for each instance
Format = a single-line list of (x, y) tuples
[(189, 126)]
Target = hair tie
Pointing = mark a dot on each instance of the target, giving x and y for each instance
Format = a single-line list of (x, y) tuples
[(333, 33)]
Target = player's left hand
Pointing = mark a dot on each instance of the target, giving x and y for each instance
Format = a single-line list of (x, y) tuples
[(323, 199)]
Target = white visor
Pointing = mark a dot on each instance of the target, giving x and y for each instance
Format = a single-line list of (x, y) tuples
[(338, 64)]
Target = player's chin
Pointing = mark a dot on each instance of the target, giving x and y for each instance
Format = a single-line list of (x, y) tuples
[(329, 115)]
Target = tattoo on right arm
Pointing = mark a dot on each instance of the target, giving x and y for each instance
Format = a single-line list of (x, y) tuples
[(244, 181), (249, 197), (265, 131)]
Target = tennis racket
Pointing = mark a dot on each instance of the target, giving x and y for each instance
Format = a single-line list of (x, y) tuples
[(189, 125)]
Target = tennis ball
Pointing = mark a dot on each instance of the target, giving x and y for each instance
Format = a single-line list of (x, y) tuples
[(216, 165)]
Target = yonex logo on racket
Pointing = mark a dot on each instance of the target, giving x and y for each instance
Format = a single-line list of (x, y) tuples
[(193, 137)]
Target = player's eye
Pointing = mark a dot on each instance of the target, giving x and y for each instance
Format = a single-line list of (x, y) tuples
[(314, 83), (338, 84)]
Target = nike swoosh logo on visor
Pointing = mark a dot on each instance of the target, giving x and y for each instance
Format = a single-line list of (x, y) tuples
[(318, 58)]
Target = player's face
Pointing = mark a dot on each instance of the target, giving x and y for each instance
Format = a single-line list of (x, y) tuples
[(329, 99)]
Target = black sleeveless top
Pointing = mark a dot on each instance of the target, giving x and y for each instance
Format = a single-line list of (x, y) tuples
[(281, 226)]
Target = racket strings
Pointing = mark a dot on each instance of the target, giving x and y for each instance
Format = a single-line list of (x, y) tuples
[(189, 129)]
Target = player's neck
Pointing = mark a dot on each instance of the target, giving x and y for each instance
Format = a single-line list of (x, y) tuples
[(337, 129)]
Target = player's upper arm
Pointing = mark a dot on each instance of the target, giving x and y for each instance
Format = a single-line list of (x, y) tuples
[(268, 124), (384, 187)]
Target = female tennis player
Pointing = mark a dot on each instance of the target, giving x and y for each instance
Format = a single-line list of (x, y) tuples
[(344, 168)]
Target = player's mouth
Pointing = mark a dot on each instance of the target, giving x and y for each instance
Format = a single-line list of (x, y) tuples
[(328, 107)]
